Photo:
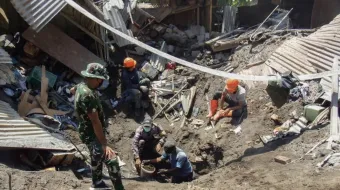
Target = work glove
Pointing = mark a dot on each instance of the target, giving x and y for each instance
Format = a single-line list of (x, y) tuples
[(146, 162), (145, 82), (144, 89)]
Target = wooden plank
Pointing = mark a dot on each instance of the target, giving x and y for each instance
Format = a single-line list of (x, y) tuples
[(334, 128), (191, 99), (82, 28), (48, 111), (24, 106), (210, 17), (62, 47), (44, 85)]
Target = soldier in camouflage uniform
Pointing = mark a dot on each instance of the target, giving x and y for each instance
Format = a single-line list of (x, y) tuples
[(92, 127)]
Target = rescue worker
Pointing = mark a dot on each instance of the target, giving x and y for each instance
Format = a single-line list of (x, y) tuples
[(147, 142), (92, 127), (234, 95), (135, 85), (181, 169)]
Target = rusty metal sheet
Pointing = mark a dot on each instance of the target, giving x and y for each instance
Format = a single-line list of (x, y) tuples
[(15, 132), (37, 13), (62, 47)]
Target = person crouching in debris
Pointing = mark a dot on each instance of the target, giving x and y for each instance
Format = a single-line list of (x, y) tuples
[(92, 127), (181, 168), (147, 142), (234, 95), (134, 84)]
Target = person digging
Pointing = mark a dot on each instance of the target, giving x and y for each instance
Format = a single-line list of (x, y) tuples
[(181, 168), (135, 85), (92, 127), (147, 142), (234, 95)]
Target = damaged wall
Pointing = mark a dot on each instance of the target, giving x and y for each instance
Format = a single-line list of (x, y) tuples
[(250, 16), (16, 22), (302, 12), (324, 11)]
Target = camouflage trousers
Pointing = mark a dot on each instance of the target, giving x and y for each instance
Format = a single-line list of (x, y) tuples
[(97, 160)]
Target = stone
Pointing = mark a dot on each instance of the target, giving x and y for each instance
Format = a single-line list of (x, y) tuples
[(282, 159), (198, 159), (190, 34), (274, 117), (195, 53)]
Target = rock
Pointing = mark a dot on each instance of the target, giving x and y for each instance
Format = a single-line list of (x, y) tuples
[(195, 53), (168, 30), (310, 156), (204, 156), (323, 152), (190, 34), (282, 159), (171, 48), (274, 117), (198, 159), (199, 56), (269, 104)]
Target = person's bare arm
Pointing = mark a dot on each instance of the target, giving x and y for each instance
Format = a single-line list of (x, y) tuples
[(239, 106), (222, 99)]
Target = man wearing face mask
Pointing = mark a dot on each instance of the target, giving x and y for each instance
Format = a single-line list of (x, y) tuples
[(92, 127), (147, 142), (135, 84), (234, 95)]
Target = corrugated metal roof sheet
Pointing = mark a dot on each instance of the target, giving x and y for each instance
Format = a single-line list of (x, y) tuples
[(114, 18), (157, 61), (314, 53), (229, 17), (5, 57), (15, 132), (37, 13)]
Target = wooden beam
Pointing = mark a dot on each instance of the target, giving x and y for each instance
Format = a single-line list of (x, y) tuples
[(210, 16), (82, 28), (334, 128)]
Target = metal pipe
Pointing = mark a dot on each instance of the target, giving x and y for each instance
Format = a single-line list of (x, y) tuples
[(283, 19), (264, 21)]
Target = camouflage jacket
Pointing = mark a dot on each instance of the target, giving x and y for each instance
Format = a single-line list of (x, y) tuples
[(87, 101)]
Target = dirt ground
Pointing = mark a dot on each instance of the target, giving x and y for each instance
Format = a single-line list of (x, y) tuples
[(235, 161)]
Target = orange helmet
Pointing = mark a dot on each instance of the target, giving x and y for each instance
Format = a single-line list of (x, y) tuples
[(129, 63), (231, 85)]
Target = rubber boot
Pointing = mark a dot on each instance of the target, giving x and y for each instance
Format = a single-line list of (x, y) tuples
[(213, 108)]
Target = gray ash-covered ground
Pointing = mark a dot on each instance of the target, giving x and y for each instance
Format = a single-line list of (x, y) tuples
[(232, 162)]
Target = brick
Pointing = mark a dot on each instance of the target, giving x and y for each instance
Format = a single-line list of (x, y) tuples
[(282, 159)]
